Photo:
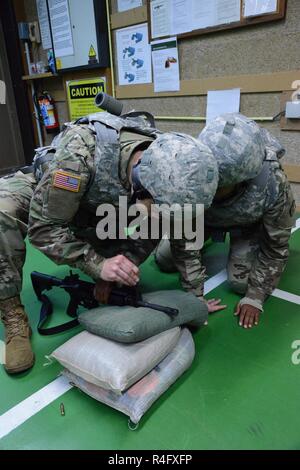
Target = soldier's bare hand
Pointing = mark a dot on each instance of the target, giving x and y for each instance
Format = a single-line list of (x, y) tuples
[(249, 315), (214, 305), (120, 269), (102, 291)]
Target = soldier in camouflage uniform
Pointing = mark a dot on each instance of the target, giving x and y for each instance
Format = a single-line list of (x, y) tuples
[(255, 204), (15, 196), (16, 192), (96, 160)]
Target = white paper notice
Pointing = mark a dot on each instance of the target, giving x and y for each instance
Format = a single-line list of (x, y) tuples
[(181, 17), (228, 11), (61, 28), (42, 10), (203, 14), (222, 102), (161, 18), (165, 65), (259, 7), (134, 55), (124, 5)]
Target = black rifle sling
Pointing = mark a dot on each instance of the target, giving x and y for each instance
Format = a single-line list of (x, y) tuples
[(45, 314)]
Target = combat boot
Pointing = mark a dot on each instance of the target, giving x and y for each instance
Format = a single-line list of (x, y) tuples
[(18, 354)]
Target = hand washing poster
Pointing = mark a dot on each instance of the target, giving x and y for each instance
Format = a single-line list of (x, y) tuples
[(134, 55)]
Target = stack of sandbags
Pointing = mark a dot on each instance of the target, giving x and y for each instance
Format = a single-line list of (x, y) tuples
[(130, 356)]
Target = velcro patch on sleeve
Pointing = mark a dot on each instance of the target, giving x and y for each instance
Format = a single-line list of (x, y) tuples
[(67, 181)]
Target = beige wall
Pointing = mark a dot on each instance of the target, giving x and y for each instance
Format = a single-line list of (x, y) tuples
[(270, 47)]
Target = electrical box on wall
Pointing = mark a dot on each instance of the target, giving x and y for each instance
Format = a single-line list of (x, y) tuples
[(292, 110), (88, 45), (23, 31), (34, 32)]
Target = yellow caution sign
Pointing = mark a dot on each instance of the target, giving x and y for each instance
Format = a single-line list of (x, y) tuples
[(92, 56), (82, 94)]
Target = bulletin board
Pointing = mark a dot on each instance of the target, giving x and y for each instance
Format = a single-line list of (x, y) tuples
[(258, 56), (242, 22), (198, 86)]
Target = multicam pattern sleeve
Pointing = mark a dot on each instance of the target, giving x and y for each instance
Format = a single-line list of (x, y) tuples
[(273, 251), (56, 202), (189, 265)]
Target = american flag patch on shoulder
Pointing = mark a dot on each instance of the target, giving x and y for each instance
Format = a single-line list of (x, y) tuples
[(67, 181)]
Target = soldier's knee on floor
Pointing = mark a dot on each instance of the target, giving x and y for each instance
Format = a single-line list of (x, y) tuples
[(164, 258)]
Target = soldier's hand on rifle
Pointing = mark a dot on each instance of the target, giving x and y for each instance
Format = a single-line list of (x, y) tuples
[(102, 291), (120, 269), (249, 315)]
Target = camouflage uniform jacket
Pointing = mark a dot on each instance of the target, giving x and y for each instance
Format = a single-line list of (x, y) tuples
[(87, 171), (265, 204)]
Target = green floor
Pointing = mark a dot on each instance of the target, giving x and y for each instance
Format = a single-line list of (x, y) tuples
[(242, 391)]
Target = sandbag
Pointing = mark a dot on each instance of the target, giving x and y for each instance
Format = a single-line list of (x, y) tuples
[(130, 324), (139, 398), (163, 257), (112, 365)]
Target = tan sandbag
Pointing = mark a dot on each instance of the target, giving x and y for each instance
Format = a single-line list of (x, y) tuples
[(140, 397), (111, 365)]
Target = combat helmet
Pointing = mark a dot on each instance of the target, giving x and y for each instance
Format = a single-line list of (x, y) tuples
[(238, 146), (177, 169)]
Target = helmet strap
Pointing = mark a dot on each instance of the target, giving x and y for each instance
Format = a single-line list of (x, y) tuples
[(139, 192)]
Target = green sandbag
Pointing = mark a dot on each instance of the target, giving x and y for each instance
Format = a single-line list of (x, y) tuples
[(131, 325)]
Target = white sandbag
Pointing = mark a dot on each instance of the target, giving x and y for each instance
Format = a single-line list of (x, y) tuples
[(111, 365), (137, 400)]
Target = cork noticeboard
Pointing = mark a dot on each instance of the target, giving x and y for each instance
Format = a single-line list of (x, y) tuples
[(195, 86), (244, 21)]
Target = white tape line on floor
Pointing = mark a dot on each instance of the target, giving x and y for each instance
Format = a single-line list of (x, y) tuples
[(281, 294), (297, 226), (20, 413), (215, 281)]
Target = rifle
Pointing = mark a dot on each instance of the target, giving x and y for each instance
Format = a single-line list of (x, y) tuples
[(82, 295)]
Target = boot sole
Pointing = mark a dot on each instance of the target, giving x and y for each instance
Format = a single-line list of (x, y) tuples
[(18, 370)]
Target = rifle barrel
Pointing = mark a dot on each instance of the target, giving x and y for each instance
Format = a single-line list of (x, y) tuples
[(172, 312)]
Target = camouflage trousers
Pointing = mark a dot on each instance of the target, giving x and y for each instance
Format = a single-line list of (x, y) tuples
[(244, 245), (15, 196), (243, 249)]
